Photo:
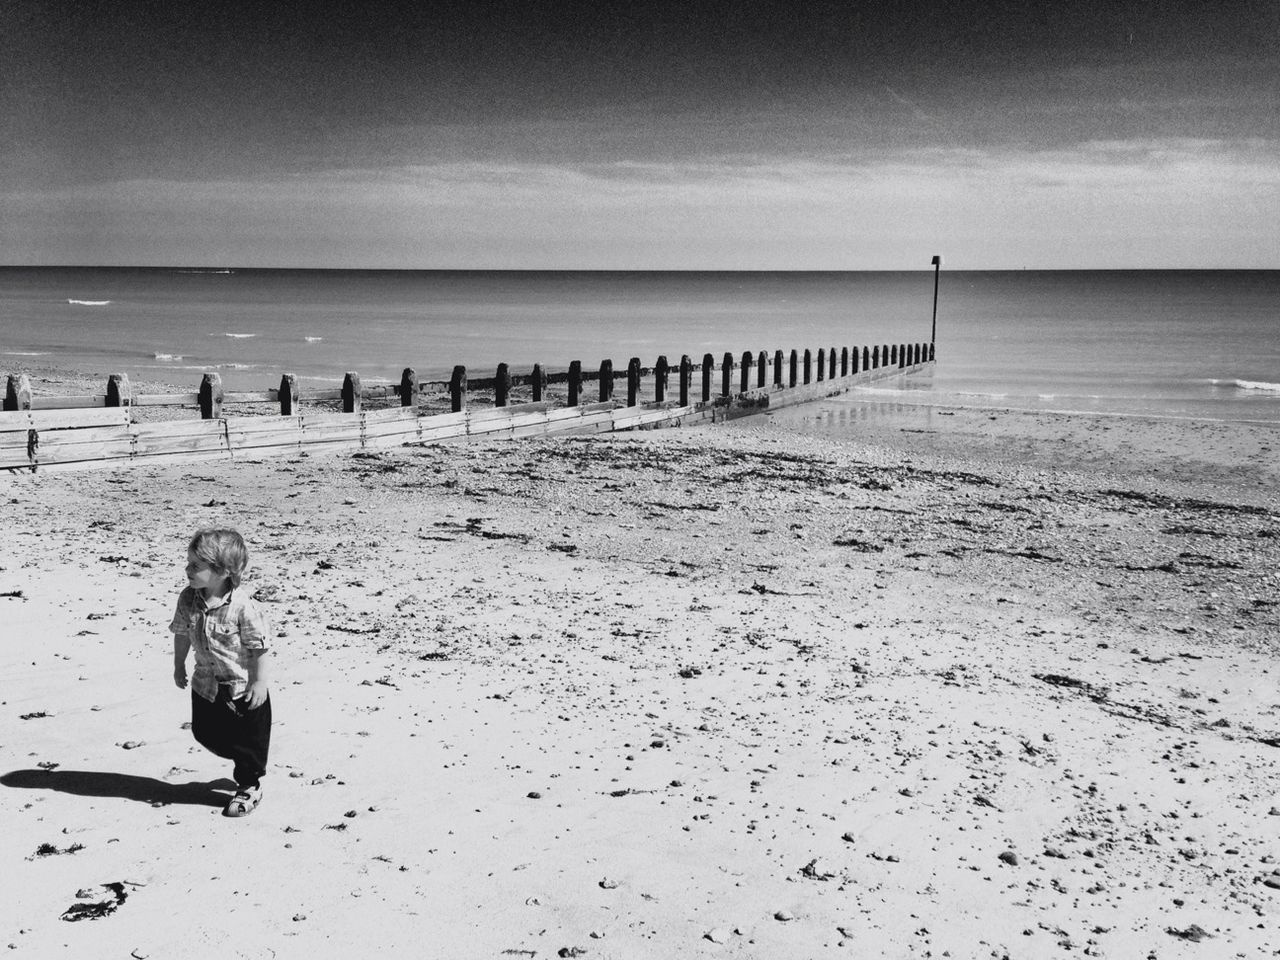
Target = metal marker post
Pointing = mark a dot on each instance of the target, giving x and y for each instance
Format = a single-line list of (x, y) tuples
[(937, 267)]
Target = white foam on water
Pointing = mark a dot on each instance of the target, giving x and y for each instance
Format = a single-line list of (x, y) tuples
[(26, 353), (89, 303), (313, 339), (240, 336), (168, 356), (1257, 385)]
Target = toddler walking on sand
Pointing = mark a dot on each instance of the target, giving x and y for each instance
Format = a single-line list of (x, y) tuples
[(230, 705)]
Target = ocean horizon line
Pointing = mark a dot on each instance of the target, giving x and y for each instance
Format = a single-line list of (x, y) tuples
[(211, 270)]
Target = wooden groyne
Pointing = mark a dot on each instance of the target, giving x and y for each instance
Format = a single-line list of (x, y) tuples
[(111, 429)]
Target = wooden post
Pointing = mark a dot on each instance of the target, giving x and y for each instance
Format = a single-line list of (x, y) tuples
[(458, 389), (875, 357), (633, 381), (686, 375), (747, 360), (118, 392), (762, 362), (539, 381), (352, 393), (933, 328), (501, 385), (844, 361), (884, 355), (822, 364), (931, 348), (409, 388), (17, 394), (288, 395), (606, 380), (708, 371), (575, 382), (726, 379), (660, 371), (211, 396), (831, 364), (795, 369), (866, 357), (808, 366), (777, 368)]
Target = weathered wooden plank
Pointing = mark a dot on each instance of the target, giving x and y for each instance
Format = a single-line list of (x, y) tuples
[(18, 438), (178, 429), (262, 432), (433, 432), (403, 432), (391, 415), (571, 413), (530, 430), (482, 414), (331, 432), (331, 446), (266, 447), (334, 393), (326, 418), (647, 417), (255, 396), (67, 403), (166, 445), (167, 400), (273, 426), (444, 420), (590, 422), (118, 448), (62, 419)]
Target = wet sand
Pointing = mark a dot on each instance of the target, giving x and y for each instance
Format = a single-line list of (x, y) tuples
[(847, 680)]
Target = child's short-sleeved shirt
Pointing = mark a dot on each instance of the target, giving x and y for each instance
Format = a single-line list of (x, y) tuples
[(222, 633)]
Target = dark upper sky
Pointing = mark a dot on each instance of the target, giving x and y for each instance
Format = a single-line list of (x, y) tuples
[(640, 135)]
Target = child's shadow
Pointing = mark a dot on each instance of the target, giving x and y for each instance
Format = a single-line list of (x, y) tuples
[(89, 783)]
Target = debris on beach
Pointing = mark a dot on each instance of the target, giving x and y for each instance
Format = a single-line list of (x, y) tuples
[(99, 908), (1195, 933), (52, 850)]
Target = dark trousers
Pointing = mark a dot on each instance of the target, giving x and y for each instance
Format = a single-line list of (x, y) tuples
[(234, 732)]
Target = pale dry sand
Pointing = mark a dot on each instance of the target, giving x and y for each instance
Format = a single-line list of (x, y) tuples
[(921, 683)]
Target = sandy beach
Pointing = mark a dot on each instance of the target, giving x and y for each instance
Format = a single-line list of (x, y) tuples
[(862, 680)]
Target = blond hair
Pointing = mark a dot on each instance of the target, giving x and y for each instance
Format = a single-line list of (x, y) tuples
[(223, 550)]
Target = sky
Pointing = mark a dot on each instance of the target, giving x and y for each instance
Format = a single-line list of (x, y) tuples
[(813, 135)]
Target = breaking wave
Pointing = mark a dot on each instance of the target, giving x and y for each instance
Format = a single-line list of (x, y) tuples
[(1248, 385)]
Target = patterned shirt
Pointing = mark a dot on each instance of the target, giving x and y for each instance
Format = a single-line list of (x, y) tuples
[(223, 633)]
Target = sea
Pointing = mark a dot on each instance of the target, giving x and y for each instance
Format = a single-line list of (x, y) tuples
[(1169, 343)]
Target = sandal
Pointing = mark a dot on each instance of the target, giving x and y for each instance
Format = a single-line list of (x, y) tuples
[(244, 802)]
